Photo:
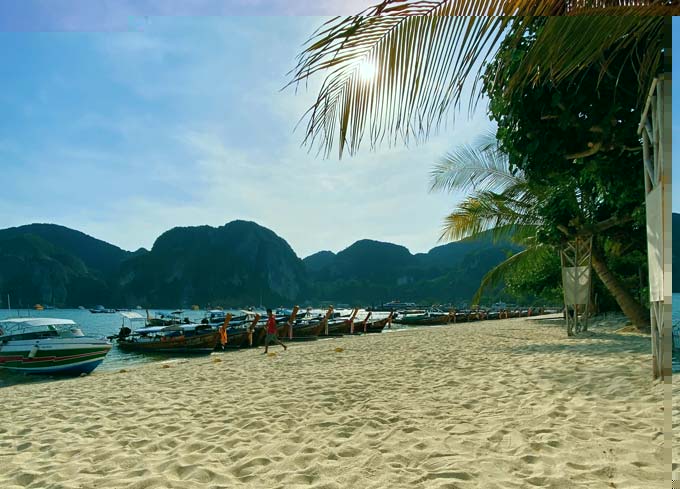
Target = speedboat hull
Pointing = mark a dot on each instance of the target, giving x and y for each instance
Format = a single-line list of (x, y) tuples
[(69, 356)]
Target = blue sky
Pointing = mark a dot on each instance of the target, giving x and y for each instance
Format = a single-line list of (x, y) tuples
[(126, 124), (180, 121)]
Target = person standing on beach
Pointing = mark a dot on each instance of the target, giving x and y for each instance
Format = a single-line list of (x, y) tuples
[(271, 332)]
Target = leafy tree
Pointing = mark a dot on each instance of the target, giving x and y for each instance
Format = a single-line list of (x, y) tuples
[(578, 138)]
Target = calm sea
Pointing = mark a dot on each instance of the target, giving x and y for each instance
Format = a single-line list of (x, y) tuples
[(92, 325)]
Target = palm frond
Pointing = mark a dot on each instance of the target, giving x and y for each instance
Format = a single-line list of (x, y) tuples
[(426, 53), (526, 257), (565, 45), (484, 211), (480, 166)]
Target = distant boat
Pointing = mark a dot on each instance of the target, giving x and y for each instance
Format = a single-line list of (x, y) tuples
[(49, 346), (38, 307), (102, 310)]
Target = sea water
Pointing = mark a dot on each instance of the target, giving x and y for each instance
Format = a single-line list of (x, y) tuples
[(97, 325)]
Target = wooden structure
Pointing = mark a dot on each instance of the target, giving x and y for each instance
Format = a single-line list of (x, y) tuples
[(576, 257), (655, 129)]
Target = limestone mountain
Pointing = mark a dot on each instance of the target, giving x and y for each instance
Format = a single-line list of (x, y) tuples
[(98, 256), (237, 264), (35, 270), (371, 272)]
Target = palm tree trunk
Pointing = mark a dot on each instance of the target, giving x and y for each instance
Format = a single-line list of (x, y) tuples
[(630, 307)]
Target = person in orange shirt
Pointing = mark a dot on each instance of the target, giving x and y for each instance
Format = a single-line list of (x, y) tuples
[(271, 332)]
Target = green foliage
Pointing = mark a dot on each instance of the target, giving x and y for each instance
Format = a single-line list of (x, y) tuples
[(539, 279), (576, 143), (577, 137)]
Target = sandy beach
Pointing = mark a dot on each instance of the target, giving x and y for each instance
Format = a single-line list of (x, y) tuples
[(495, 404)]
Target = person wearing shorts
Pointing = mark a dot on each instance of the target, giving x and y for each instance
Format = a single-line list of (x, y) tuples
[(271, 332)]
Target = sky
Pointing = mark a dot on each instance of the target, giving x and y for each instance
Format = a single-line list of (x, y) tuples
[(125, 119), (126, 132)]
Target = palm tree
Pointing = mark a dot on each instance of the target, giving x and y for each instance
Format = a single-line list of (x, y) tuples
[(503, 201), (425, 56), (500, 202)]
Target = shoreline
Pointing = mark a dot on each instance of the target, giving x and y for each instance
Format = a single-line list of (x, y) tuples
[(493, 404)]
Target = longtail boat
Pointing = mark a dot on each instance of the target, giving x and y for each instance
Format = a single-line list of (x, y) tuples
[(360, 327), (428, 318), (340, 326), (175, 338), (49, 346), (251, 335), (305, 329), (377, 325)]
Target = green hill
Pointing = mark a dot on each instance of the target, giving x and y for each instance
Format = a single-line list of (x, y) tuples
[(238, 264), (371, 272), (33, 270), (99, 256), (232, 265)]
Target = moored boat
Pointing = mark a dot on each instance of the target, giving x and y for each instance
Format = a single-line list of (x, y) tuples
[(373, 325), (341, 325), (240, 334), (49, 346), (303, 329), (175, 338), (429, 318), (102, 310)]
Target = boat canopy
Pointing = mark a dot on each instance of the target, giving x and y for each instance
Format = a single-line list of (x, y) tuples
[(131, 315), (36, 322), (26, 325), (169, 328), (159, 329)]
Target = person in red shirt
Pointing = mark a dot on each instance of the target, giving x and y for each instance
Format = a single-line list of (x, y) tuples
[(271, 332)]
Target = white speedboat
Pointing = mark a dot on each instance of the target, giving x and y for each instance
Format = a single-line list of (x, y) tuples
[(49, 346)]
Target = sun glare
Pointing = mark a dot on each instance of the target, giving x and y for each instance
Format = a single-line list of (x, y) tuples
[(366, 70)]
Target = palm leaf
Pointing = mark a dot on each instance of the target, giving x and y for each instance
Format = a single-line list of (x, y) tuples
[(427, 53), (479, 166), (526, 257), (486, 211)]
